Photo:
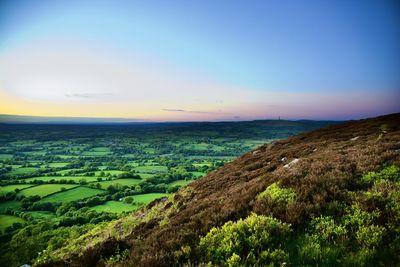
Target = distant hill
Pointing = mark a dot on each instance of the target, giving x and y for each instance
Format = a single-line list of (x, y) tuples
[(21, 119), (329, 197), (5, 118)]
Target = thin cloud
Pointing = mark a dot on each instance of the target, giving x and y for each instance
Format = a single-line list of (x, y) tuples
[(188, 111), (89, 95)]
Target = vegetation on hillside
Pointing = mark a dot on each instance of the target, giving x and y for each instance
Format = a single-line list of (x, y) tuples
[(325, 198), (362, 229)]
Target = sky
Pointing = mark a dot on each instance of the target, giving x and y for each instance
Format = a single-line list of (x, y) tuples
[(200, 60)]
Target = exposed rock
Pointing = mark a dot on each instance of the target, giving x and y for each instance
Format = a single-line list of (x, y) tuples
[(290, 164)]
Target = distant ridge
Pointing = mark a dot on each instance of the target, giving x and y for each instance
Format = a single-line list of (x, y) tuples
[(6, 118), (24, 119)]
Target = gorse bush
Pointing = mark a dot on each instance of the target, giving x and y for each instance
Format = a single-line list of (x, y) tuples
[(356, 217), (391, 173), (255, 241), (278, 194), (327, 229), (370, 236), (275, 201)]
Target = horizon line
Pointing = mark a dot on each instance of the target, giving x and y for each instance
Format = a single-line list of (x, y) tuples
[(30, 119)]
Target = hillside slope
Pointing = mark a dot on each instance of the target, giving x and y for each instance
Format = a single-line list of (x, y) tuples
[(318, 182)]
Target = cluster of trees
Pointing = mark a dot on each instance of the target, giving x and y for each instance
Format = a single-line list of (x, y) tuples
[(23, 243), (4, 170), (8, 196)]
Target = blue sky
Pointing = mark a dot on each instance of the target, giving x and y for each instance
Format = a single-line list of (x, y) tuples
[(270, 57)]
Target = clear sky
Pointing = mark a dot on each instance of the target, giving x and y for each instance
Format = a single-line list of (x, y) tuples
[(200, 60)]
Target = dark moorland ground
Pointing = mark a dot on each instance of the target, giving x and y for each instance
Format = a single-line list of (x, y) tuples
[(329, 197)]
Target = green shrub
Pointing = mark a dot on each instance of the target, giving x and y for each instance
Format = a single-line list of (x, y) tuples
[(362, 257), (118, 256), (255, 241), (391, 173), (278, 194), (310, 250), (327, 230), (234, 260), (356, 217), (370, 236)]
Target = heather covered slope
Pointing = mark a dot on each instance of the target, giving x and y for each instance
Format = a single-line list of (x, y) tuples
[(329, 198)]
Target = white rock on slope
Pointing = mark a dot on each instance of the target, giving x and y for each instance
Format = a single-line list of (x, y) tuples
[(290, 164)]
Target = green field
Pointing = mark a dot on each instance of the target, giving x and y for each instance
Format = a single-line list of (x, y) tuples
[(26, 170), (73, 194), (198, 174), (15, 166), (147, 198), (122, 182), (101, 149), (202, 164), (8, 220), (47, 215), (111, 172), (11, 188), (62, 172), (210, 157), (199, 146), (57, 178), (67, 156), (145, 175), (5, 156), (129, 155), (44, 190), (96, 153), (151, 169), (149, 150), (115, 206), (57, 164), (35, 153)]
